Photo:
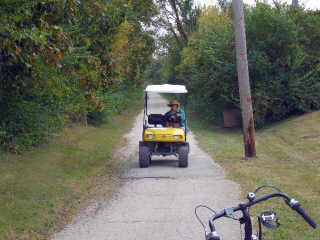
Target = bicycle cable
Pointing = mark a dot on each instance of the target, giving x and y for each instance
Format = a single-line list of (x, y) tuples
[(267, 186), (198, 218)]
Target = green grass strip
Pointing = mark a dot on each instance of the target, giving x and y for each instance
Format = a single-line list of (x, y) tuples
[(288, 157), (42, 189)]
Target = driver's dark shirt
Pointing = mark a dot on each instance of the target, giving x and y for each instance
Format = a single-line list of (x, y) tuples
[(182, 116)]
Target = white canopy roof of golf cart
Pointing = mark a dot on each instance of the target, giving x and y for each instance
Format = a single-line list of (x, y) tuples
[(166, 88)]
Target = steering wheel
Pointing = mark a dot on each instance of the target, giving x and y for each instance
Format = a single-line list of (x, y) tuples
[(173, 118)]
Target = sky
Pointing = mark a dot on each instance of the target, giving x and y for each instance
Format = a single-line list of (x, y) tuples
[(309, 4)]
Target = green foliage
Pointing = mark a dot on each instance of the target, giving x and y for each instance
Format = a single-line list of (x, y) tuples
[(42, 189), (182, 12), (284, 64), (111, 102), (56, 55)]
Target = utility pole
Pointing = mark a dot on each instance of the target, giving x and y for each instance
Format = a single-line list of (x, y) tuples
[(243, 79), (295, 3)]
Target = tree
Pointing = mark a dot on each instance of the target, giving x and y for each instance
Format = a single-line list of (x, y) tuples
[(295, 3), (224, 5), (243, 79), (56, 56), (178, 17)]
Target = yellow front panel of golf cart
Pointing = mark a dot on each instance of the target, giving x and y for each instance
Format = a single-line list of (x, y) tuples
[(164, 134)]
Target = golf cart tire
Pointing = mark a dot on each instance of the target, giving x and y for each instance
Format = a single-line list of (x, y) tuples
[(144, 156), (183, 152)]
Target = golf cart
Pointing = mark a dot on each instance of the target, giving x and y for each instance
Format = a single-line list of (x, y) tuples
[(158, 139)]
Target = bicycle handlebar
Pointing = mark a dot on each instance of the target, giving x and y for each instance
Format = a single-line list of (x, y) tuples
[(295, 205), (305, 216)]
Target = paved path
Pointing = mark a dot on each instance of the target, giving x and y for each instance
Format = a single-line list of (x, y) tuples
[(158, 203)]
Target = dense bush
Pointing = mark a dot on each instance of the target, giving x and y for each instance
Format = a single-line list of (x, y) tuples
[(57, 55), (112, 102), (283, 55)]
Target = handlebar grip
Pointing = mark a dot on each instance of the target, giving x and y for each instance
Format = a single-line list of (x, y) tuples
[(303, 214), (212, 236)]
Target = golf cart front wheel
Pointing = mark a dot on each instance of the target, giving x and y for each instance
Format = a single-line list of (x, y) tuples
[(144, 157), (183, 156)]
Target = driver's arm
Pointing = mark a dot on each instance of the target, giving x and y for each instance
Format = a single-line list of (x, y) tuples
[(167, 116), (182, 118)]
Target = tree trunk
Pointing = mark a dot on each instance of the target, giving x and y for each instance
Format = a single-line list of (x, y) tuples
[(176, 37), (84, 120), (171, 29), (180, 26), (243, 79), (295, 3)]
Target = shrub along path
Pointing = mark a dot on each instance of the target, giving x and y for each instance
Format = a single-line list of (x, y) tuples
[(41, 190)]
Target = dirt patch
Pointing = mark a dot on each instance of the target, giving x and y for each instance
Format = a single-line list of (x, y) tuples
[(310, 137)]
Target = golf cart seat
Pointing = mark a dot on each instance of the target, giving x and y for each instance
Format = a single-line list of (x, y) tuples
[(157, 119)]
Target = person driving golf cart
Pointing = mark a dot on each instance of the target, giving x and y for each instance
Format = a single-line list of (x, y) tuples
[(171, 138), (176, 116)]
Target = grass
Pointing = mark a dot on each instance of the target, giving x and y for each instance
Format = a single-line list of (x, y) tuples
[(288, 157), (42, 189)]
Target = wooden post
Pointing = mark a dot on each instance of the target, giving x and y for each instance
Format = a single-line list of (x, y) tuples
[(243, 79)]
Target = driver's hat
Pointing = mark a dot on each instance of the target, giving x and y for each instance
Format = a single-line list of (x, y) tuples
[(173, 102)]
